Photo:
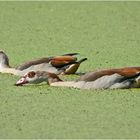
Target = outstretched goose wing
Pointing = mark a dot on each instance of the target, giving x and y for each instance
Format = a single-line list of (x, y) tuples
[(125, 72), (56, 61)]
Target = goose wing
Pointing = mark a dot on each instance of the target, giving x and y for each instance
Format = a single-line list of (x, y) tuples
[(61, 61), (124, 72), (57, 61)]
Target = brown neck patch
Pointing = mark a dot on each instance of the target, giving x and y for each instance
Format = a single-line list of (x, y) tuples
[(53, 78)]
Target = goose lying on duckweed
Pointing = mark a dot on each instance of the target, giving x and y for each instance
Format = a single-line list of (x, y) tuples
[(64, 64), (128, 77)]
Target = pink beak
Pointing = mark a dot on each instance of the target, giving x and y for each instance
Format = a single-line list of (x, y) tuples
[(21, 81)]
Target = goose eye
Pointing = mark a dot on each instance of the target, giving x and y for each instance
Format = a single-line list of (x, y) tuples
[(31, 74)]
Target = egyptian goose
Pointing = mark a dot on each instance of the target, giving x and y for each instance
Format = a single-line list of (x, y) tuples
[(64, 64), (102, 79)]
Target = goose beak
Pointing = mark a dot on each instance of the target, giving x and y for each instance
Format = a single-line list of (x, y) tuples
[(21, 81)]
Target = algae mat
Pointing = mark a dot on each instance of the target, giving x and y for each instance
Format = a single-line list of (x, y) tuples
[(105, 32)]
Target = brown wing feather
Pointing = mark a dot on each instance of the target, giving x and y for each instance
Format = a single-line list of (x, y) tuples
[(92, 76), (62, 60), (129, 71)]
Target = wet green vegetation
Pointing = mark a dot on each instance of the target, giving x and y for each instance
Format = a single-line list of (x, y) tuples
[(107, 33)]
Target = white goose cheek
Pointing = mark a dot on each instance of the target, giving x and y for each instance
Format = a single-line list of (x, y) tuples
[(36, 80), (32, 80)]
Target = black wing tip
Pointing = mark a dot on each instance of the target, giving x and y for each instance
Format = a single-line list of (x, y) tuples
[(82, 60), (70, 54)]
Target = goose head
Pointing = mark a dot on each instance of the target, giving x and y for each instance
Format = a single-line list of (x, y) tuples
[(4, 61), (36, 77)]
